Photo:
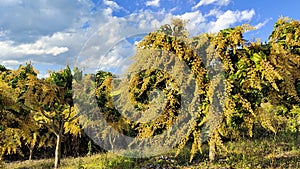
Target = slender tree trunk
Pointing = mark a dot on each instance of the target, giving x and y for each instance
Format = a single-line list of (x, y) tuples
[(58, 150), (111, 143), (30, 153), (212, 150), (297, 136), (274, 149)]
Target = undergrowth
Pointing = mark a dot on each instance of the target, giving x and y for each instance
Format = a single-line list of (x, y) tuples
[(245, 153)]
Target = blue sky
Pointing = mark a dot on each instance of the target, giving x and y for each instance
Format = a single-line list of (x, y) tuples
[(99, 33)]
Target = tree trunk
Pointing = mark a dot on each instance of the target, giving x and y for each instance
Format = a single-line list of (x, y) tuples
[(111, 143), (30, 153), (212, 150), (58, 150), (297, 136)]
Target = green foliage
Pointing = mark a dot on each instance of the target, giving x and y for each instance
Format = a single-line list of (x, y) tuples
[(89, 148), (34, 106), (80, 166), (253, 72), (293, 123), (2, 68), (272, 117), (18, 128), (77, 74)]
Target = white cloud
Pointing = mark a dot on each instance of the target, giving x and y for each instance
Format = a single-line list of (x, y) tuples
[(97, 55), (105, 49), (214, 12), (26, 21), (229, 18), (196, 19), (208, 2), (111, 4), (117, 57), (37, 48), (262, 24), (10, 63), (56, 49), (50, 32), (47, 32), (108, 11), (153, 3)]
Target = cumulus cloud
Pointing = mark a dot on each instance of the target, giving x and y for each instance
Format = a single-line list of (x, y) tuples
[(111, 4), (214, 13), (229, 18), (195, 21), (153, 3), (37, 48), (107, 47), (26, 21), (116, 59), (262, 24), (50, 50), (100, 52), (10, 64), (52, 32), (42, 31), (199, 23), (208, 2)]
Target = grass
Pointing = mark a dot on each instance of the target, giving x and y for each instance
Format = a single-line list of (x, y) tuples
[(97, 161), (246, 153)]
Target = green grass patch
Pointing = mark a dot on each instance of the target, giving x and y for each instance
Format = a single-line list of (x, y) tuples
[(245, 153)]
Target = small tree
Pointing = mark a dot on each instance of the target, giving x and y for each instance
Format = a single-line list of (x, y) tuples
[(51, 100), (18, 123)]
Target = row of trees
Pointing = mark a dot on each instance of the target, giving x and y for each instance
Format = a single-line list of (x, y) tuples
[(241, 86), (261, 82), (236, 85)]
